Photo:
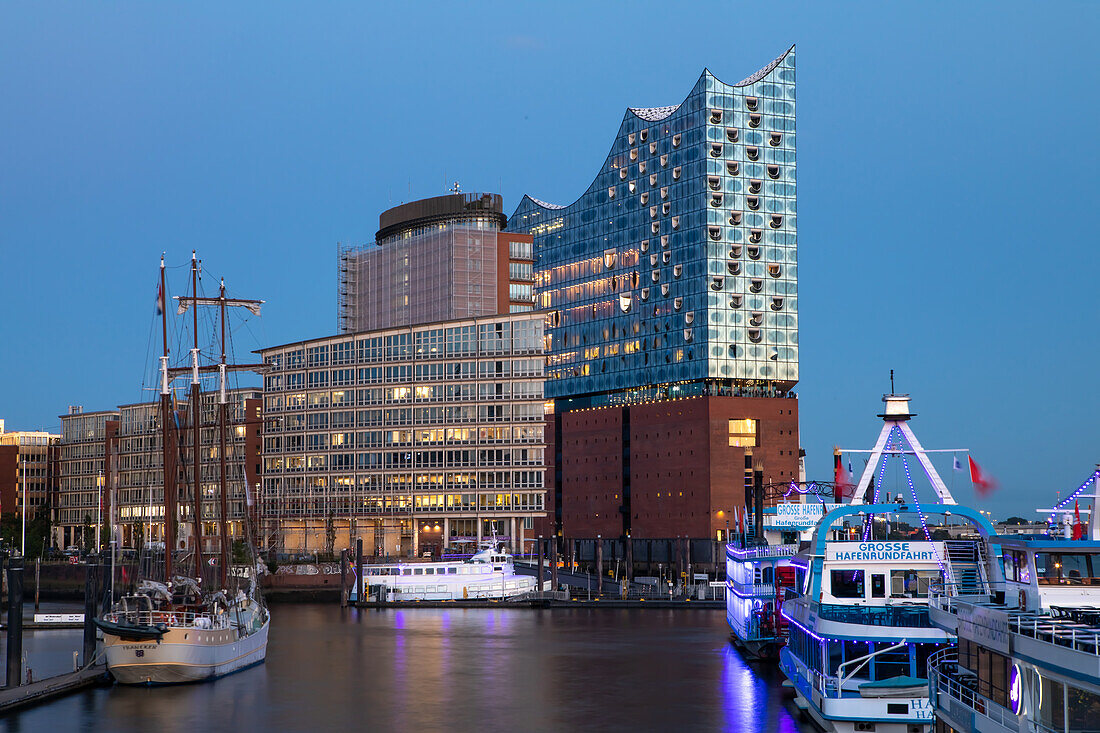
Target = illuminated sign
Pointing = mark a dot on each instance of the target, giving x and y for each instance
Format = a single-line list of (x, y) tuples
[(1015, 690), (920, 552), (799, 516)]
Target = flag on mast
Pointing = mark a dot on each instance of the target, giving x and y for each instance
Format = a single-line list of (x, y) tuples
[(1078, 528), (160, 299), (958, 464), (982, 481)]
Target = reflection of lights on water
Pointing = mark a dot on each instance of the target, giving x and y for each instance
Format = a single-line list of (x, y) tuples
[(749, 705)]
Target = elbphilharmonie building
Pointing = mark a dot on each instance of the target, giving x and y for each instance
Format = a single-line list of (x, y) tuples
[(674, 279)]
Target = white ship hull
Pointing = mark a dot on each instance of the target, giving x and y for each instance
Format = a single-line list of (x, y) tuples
[(184, 654)]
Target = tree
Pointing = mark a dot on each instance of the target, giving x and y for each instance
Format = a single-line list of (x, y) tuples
[(1015, 520)]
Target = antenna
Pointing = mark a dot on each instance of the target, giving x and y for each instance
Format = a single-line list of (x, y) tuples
[(891, 381)]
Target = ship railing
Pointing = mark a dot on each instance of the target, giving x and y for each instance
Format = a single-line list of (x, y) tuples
[(757, 552), (183, 619), (1063, 632), (946, 678), (908, 615)]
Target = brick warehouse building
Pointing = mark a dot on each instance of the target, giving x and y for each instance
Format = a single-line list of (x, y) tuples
[(671, 294)]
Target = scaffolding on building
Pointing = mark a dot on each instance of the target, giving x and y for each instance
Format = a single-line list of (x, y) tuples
[(347, 298)]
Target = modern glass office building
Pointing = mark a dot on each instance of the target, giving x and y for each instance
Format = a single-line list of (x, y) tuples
[(679, 263), (410, 439), (671, 288)]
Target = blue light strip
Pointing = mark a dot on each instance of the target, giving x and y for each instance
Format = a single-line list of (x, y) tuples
[(878, 484), (923, 522), (1074, 495)]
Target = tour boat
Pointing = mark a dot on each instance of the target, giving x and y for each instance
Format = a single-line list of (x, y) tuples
[(859, 631), (1028, 654), (489, 574), (183, 628)]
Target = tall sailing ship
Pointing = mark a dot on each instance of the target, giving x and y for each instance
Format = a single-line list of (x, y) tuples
[(193, 616)]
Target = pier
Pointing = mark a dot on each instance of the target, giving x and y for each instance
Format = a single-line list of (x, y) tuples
[(33, 693)]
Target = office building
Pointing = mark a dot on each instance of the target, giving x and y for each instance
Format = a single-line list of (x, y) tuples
[(671, 292), (435, 259), (411, 439), (112, 467), (29, 471)]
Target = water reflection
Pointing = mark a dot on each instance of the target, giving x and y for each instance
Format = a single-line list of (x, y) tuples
[(427, 669)]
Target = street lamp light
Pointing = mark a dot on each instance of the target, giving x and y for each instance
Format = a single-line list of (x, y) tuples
[(99, 509)]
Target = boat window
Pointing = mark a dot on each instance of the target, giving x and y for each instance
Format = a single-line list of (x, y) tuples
[(1016, 567), (889, 664), (847, 583), (1050, 702), (418, 571), (1082, 708), (452, 571), (912, 583), (1067, 568), (878, 585), (429, 571), (406, 571)]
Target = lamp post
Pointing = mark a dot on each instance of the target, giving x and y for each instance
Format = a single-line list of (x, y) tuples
[(23, 537), (99, 509)]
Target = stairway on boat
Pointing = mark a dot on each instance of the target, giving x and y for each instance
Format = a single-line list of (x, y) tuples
[(967, 564)]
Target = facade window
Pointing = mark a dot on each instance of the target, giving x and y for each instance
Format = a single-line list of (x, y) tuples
[(743, 433)]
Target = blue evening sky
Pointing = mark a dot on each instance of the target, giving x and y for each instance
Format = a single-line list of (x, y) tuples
[(947, 184)]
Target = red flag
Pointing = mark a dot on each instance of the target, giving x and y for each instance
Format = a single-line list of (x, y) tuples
[(1078, 528), (982, 481), (842, 483)]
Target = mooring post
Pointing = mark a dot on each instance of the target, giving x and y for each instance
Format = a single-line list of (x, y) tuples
[(359, 585), (37, 579), (599, 566), (89, 613), (553, 562), (629, 574), (15, 621), (344, 578), (540, 576)]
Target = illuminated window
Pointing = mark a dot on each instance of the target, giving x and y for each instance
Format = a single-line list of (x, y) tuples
[(743, 433)]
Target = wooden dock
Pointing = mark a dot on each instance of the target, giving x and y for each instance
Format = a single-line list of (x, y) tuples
[(12, 698)]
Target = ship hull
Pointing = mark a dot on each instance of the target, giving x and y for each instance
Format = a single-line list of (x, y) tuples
[(184, 655)]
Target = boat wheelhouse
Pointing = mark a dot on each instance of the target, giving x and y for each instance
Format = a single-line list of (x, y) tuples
[(1028, 654)]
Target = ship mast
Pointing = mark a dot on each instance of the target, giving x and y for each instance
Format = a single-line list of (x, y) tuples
[(167, 462), (196, 421), (222, 485), (222, 368)]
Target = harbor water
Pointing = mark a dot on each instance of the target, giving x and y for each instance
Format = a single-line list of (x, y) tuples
[(459, 669)]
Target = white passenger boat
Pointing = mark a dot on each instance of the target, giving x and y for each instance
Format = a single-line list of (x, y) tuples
[(1028, 654), (859, 634), (489, 574)]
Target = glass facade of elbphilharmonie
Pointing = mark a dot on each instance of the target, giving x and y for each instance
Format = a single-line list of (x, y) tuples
[(675, 273)]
